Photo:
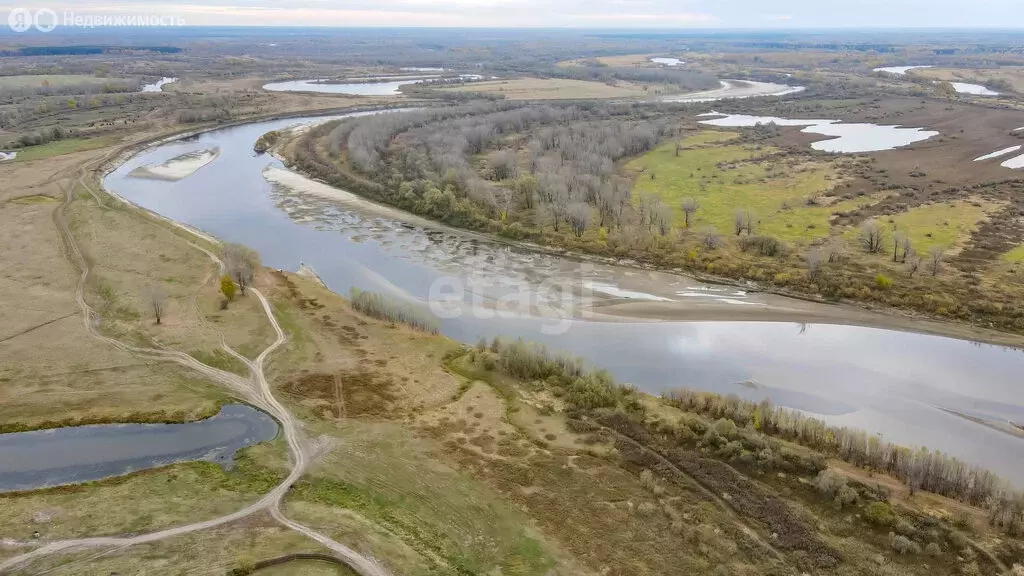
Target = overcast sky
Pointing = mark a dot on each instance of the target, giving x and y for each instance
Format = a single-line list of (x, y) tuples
[(574, 13)]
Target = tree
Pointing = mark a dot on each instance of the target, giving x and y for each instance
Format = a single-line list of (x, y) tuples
[(743, 220), (503, 164), (913, 262), (690, 207), (815, 259), (227, 287), (936, 254), (578, 216), (872, 236), (679, 146), (709, 238), (241, 264), (156, 301)]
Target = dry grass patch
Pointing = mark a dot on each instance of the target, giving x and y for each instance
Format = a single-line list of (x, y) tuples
[(214, 552), (145, 501), (552, 89)]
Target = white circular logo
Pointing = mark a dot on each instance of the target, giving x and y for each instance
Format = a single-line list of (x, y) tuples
[(45, 20), (20, 19)]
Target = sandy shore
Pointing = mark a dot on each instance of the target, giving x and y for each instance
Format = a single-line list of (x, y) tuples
[(177, 168), (653, 296), (737, 89)]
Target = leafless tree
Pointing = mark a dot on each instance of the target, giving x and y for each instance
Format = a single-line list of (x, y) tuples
[(503, 164), (578, 215), (872, 236), (743, 221), (690, 207), (836, 252), (679, 146), (663, 219), (156, 301), (936, 254), (709, 238), (241, 264), (815, 259), (913, 263), (897, 240)]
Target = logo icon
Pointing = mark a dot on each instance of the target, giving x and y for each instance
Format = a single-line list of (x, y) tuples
[(45, 20), (20, 20)]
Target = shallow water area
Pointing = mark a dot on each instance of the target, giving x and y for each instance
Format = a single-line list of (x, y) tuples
[(849, 138), (896, 383), (158, 86), (736, 89), (44, 458)]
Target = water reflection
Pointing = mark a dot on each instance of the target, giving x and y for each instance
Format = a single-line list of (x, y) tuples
[(895, 383)]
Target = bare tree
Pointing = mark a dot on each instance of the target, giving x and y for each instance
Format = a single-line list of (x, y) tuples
[(913, 262), (679, 146), (897, 241), (503, 164), (663, 219), (815, 259), (872, 236), (156, 300), (936, 254), (578, 216), (241, 264), (709, 238), (690, 207), (743, 221)]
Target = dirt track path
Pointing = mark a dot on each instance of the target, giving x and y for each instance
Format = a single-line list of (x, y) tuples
[(254, 389)]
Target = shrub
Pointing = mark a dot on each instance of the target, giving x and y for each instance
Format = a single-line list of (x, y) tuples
[(726, 428), (829, 482), (933, 550), (903, 545), (878, 513), (762, 245), (846, 496), (883, 282), (383, 308)]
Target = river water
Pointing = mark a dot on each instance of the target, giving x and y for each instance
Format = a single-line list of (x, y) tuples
[(901, 385), (31, 460)]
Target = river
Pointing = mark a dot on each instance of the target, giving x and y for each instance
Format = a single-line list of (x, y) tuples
[(899, 384), (43, 458)]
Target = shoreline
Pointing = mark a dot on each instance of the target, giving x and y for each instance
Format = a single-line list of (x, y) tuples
[(790, 307)]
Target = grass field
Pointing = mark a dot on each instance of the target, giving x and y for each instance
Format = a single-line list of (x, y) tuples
[(41, 80), (1015, 255), (552, 89), (947, 225), (61, 147), (724, 178)]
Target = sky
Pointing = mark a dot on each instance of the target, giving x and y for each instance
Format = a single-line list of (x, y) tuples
[(768, 14)]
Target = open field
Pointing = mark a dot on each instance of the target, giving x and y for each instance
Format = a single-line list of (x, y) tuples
[(554, 89), (48, 80), (724, 178)]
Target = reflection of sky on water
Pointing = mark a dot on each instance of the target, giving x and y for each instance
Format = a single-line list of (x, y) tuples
[(886, 381)]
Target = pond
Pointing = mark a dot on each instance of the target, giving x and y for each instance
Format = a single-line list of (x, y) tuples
[(736, 89), (848, 138), (368, 86), (898, 70), (45, 458), (668, 61), (158, 86), (906, 386)]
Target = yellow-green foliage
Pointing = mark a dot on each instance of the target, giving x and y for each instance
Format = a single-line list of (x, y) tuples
[(775, 192), (947, 224), (883, 282), (1015, 255)]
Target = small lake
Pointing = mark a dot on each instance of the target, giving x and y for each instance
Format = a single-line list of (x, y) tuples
[(848, 138), (158, 86), (736, 89), (45, 458), (898, 70), (668, 61), (369, 86), (898, 384), (974, 89)]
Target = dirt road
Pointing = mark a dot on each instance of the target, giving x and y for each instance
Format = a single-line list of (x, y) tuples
[(254, 389)]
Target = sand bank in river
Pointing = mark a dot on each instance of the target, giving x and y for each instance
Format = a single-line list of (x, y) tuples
[(177, 168)]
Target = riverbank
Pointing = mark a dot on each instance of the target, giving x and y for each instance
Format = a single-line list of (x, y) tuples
[(770, 306)]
